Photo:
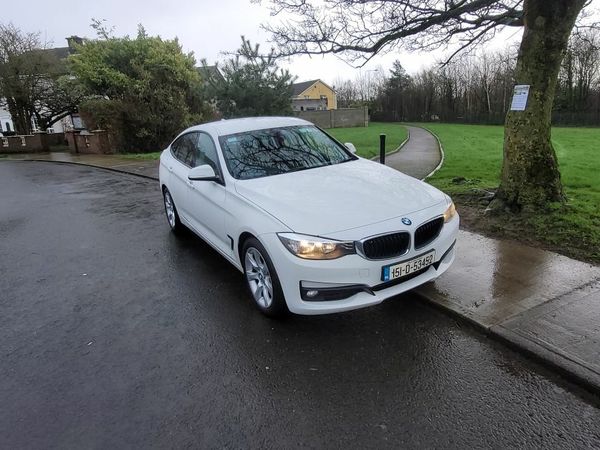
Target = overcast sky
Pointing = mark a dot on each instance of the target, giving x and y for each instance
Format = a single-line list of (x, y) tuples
[(206, 27)]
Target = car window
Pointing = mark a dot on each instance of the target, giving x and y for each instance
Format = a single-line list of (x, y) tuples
[(184, 149), (206, 152), (261, 153)]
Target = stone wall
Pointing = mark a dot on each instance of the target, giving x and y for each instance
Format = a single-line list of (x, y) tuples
[(33, 143), (335, 118)]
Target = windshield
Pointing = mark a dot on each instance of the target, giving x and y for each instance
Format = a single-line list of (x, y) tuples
[(260, 153)]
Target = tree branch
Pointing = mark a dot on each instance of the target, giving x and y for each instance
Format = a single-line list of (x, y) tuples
[(360, 29)]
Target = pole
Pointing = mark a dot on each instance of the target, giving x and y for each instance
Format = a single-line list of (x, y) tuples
[(382, 149)]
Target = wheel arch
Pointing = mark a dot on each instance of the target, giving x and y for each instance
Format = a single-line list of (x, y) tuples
[(241, 240)]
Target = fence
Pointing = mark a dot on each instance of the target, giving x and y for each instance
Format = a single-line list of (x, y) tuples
[(559, 118)]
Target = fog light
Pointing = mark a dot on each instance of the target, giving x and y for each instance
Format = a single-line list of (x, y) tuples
[(312, 293)]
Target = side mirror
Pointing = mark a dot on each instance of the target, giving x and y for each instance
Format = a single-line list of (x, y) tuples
[(350, 146), (202, 173)]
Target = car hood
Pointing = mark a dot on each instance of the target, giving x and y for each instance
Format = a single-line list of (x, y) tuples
[(339, 197)]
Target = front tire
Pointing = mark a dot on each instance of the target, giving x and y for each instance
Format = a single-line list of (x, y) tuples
[(262, 280), (171, 212)]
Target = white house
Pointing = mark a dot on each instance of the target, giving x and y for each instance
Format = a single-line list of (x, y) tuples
[(66, 124), (6, 123)]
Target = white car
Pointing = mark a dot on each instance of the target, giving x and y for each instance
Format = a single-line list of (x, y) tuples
[(314, 228)]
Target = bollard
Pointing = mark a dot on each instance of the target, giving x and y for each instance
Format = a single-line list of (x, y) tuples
[(382, 149)]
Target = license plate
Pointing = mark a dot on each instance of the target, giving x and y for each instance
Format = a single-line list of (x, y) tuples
[(402, 269)]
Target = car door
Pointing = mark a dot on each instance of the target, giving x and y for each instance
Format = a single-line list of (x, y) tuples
[(207, 199), (183, 151)]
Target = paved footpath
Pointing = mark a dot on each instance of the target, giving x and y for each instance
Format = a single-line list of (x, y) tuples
[(419, 156), (543, 303)]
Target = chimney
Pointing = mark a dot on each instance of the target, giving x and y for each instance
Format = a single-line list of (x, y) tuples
[(72, 42)]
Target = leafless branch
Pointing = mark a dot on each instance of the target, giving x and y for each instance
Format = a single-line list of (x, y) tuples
[(360, 29)]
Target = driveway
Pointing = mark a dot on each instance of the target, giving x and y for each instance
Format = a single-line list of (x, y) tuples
[(115, 333)]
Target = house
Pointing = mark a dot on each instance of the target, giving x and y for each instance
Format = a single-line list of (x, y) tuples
[(6, 124), (313, 95), (67, 123), (209, 73)]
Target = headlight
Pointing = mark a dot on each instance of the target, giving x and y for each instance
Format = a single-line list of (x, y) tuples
[(313, 247), (450, 212)]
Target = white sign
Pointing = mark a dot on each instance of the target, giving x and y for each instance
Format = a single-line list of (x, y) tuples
[(519, 100)]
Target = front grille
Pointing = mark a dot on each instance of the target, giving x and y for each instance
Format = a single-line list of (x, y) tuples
[(386, 246), (428, 232)]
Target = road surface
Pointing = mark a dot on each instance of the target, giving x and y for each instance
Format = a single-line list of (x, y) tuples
[(114, 333)]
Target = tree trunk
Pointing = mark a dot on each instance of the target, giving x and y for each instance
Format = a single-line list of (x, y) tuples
[(530, 175), (20, 118)]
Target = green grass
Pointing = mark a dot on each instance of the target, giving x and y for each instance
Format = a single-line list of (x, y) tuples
[(475, 153), (366, 140), (471, 151)]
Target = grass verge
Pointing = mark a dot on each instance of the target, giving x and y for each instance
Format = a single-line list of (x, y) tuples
[(472, 167), (366, 140)]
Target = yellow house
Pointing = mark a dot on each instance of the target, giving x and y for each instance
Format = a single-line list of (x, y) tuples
[(313, 95)]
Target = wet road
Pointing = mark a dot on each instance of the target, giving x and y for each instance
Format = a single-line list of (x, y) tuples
[(115, 333)]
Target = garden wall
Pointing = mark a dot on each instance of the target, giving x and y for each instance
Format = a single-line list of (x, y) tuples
[(335, 118), (33, 143), (95, 142)]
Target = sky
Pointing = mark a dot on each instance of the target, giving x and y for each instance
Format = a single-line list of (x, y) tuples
[(207, 28)]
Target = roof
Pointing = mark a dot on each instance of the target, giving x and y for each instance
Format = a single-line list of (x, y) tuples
[(299, 88), (233, 126), (208, 72), (54, 56), (60, 52)]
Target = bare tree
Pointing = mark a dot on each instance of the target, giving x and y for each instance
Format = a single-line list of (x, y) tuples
[(33, 81), (19, 75), (580, 70), (346, 93), (360, 29)]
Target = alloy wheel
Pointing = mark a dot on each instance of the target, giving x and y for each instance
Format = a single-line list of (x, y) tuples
[(170, 209), (259, 278)]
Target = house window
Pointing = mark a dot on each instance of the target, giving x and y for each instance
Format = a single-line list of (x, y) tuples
[(8, 127)]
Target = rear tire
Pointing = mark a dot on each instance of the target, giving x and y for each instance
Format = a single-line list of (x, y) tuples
[(262, 280), (171, 212)]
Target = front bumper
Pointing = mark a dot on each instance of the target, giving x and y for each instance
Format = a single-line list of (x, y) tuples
[(352, 281)]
